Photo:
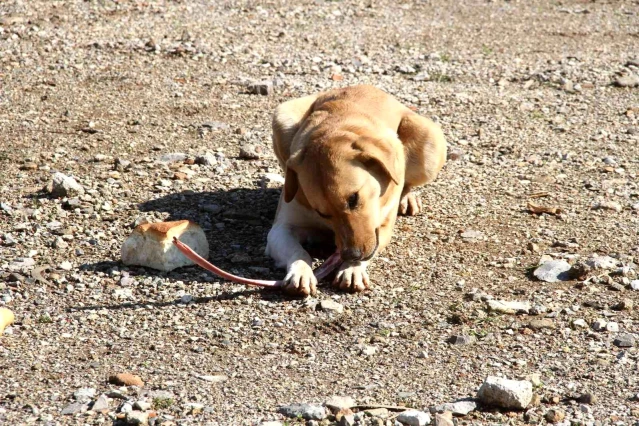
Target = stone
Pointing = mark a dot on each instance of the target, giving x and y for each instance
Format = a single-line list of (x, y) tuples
[(101, 404), (579, 323), (121, 165), (508, 307), (504, 393), (305, 411), (554, 416), (206, 159), (137, 418), (553, 271), (142, 405), (587, 398), (472, 236), (612, 327), (251, 152), (84, 395), (59, 243), (331, 306), (540, 324), (414, 418), (624, 305), (336, 403), (368, 350), (629, 80), (443, 419), (607, 205), (64, 186), (634, 285), (264, 88), (602, 262), (462, 339), (74, 408), (624, 340), (599, 324), (272, 178), (126, 379), (212, 379), (458, 408), (151, 245)]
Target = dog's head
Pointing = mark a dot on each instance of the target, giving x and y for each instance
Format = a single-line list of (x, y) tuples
[(351, 181)]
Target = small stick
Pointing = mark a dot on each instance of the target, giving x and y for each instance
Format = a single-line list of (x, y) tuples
[(321, 272)]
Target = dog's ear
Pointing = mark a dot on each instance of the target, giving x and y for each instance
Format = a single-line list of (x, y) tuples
[(380, 154), (291, 184)]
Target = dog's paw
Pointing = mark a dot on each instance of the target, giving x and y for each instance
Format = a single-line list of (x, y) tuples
[(352, 276), (300, 279), (410, 205)]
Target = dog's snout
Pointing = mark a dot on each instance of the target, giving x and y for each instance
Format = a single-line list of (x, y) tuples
[(350, 254)]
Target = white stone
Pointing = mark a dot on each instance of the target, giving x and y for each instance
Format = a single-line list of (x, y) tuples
[(414, 418), (504, 393)]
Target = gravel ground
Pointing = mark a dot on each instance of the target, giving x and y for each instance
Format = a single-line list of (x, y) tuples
[(525, 91)]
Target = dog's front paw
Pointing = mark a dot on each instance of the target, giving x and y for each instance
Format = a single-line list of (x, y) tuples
[(352, 276), (300, 279), (410, 205)]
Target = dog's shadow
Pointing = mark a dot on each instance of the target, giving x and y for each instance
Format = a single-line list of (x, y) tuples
[(236, 223)]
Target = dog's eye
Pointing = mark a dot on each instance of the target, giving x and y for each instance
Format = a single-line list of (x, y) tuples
[(352, 201), (325, 216)]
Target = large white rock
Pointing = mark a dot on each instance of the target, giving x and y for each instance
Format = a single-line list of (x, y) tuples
[(414, 418), (151, 245), (504, 393)]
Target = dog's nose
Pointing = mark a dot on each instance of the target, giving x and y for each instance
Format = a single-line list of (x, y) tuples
[(350, 254)]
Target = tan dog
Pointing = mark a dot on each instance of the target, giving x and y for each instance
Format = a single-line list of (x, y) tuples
[(351, 157)]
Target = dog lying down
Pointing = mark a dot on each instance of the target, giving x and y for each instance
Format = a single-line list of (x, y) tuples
[(351, 157)]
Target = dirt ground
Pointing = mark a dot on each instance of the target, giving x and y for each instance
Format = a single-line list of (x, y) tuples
[(524, 93)]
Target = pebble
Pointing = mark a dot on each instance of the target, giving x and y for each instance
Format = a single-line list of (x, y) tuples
[(624, 340), (602, 262), (504, 393), (613, 327), (608, 205), (554, 416), (587, 398), (462, 339), (137, 418), (457, 408), (508, 307), (443, 419), (629, 80), (75, 408), (101, 404), (251, 152), (59, 243), (84, 395), (599, 324), (305, 411), (414, 418), (126, 379), (141, 405), (207, 159), (264, 88), (331, 306), (213, 379), (336, 403), (64, 186), (540, 324), (174, 157), (368, 350), (580, 323), (634, 284), (473, 236), (624, 305), (553, 271)]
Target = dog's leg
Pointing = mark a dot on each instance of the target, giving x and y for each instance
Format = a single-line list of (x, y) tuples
[(425, 148)]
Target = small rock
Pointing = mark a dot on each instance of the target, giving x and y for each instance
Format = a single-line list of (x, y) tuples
[(599, 324), (508, 307), (126, 379), (455, 153), (624, 305), (64, 186), (174, 157), (579, 323), (414, 418), (554, 416), (121, 165), (264, 88), (612, 327), (540, 324), (624, 340), (84, 395), (251, 152), (142, 405), (602, 262), (274, 179), (634, 284), (462, 339), (331, 306), (101, 404), (346, 420), (368, 350), (75, 408), (504, 393), (457, 408), (443, 419), (137, 418), (213, 379), (553, 271), (337, 403), (207, 159), (629, 80), (59, 243), (305, 411), (472, 236), (607, 205)]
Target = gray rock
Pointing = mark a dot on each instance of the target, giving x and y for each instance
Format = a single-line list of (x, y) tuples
[(305, 411), (142, 405), (75, 408), (472, 235), (624, 340), (264, 88), (612, 327), (331, 306), (336, 403), (6, 208), (634, 284), (461, 339), (504, 393), (630, 80), (121, 165), (207, 159), (458, 408), (507, 307), (553, 271), (608, 205), (602, 262), (64, 186), (251, 152), (59, 243), (347, 420), (443, 419), (137, 418), (599, 324), (215, 125), (101, 404), (414, 418)]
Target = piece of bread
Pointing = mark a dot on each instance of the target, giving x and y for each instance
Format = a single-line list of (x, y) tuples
[(151, 245)]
